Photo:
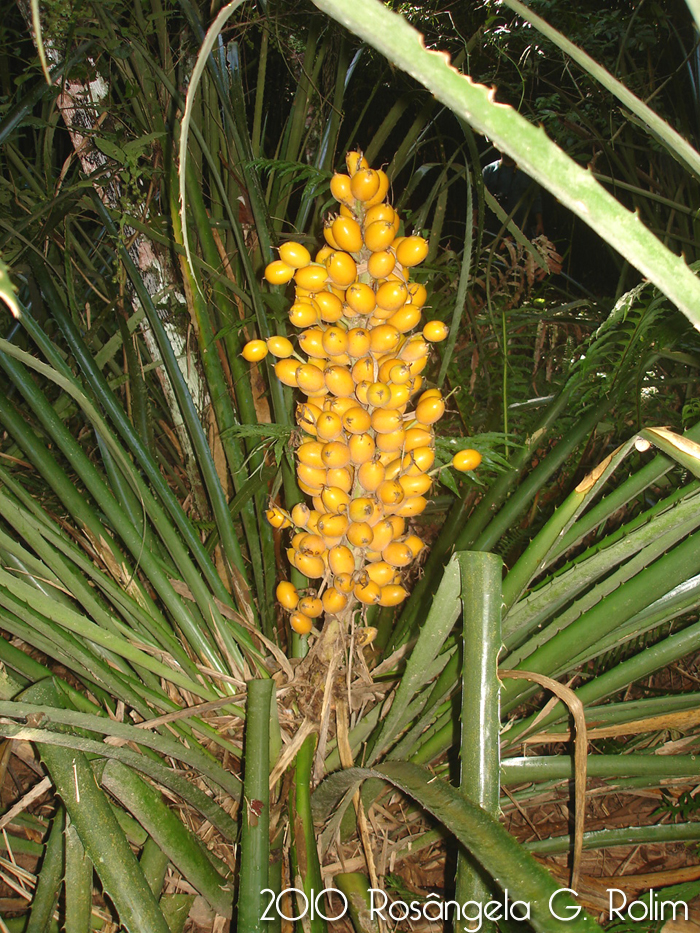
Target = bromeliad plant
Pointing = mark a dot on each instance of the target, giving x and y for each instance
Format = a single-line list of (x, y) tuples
[(146, 588)]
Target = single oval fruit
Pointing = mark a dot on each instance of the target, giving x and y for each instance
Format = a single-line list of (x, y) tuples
[(341, 559), (287, 595), (357, 420), (334, 601), (295, 255), (310, 606), (465, 460), (312, 277), (391, 295), (347, 233), (279, 272), (435, 331), (341, 268), (300, 623), (364, 184), (254, 351), (392, 594), (411, 251), (340, 188), (280, 347), (379, 235), (381, 263)]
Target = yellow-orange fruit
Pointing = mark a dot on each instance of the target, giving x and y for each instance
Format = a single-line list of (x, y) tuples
[(399, 397), (359, 534), (313, 477), (381, 572), (411, 251), (357, 420), (334, 601), (415, 348), (379, 235), (339, 381), (378, 394), (391, 295), (405, 318), (254, 351), (342, 477), (312, 277), (323, 254), (280, 347), (306, 415), (384, 338), (300, 623), (363, 370), (381, 263), (347, 233), (370, 593), (278, 518), (415, 544), (417, 437), (435, 331), (330, 307), (310, 453), (344, 582), (419, 460), (429, 410), (335, 499), (279, 272), (392, 594), (416, 485), (398, 554), (294, 254), (341, 268), (360, 297), (361, 392), (301, 514), (339, 404), (341, 559), (413, 505), (328, 426), (334, 340), (311, 544), (340, 188), (398, 524), (311, 342), (311, 379), (386, 420), (364, 509), (364, 184), (382, 191), (355, 161), (390, 492), (332, 525), (328, 235), (287, 595), (362, 448), (335, 454), (379, 212), (391, 442), (312, 567), (418, 293), (383, 533), (400, 373), (358, 342), (370, 475), (303, 313), (465, 460), (310, 606)]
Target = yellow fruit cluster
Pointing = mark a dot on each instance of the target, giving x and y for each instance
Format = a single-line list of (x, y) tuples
[(365, 459)]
